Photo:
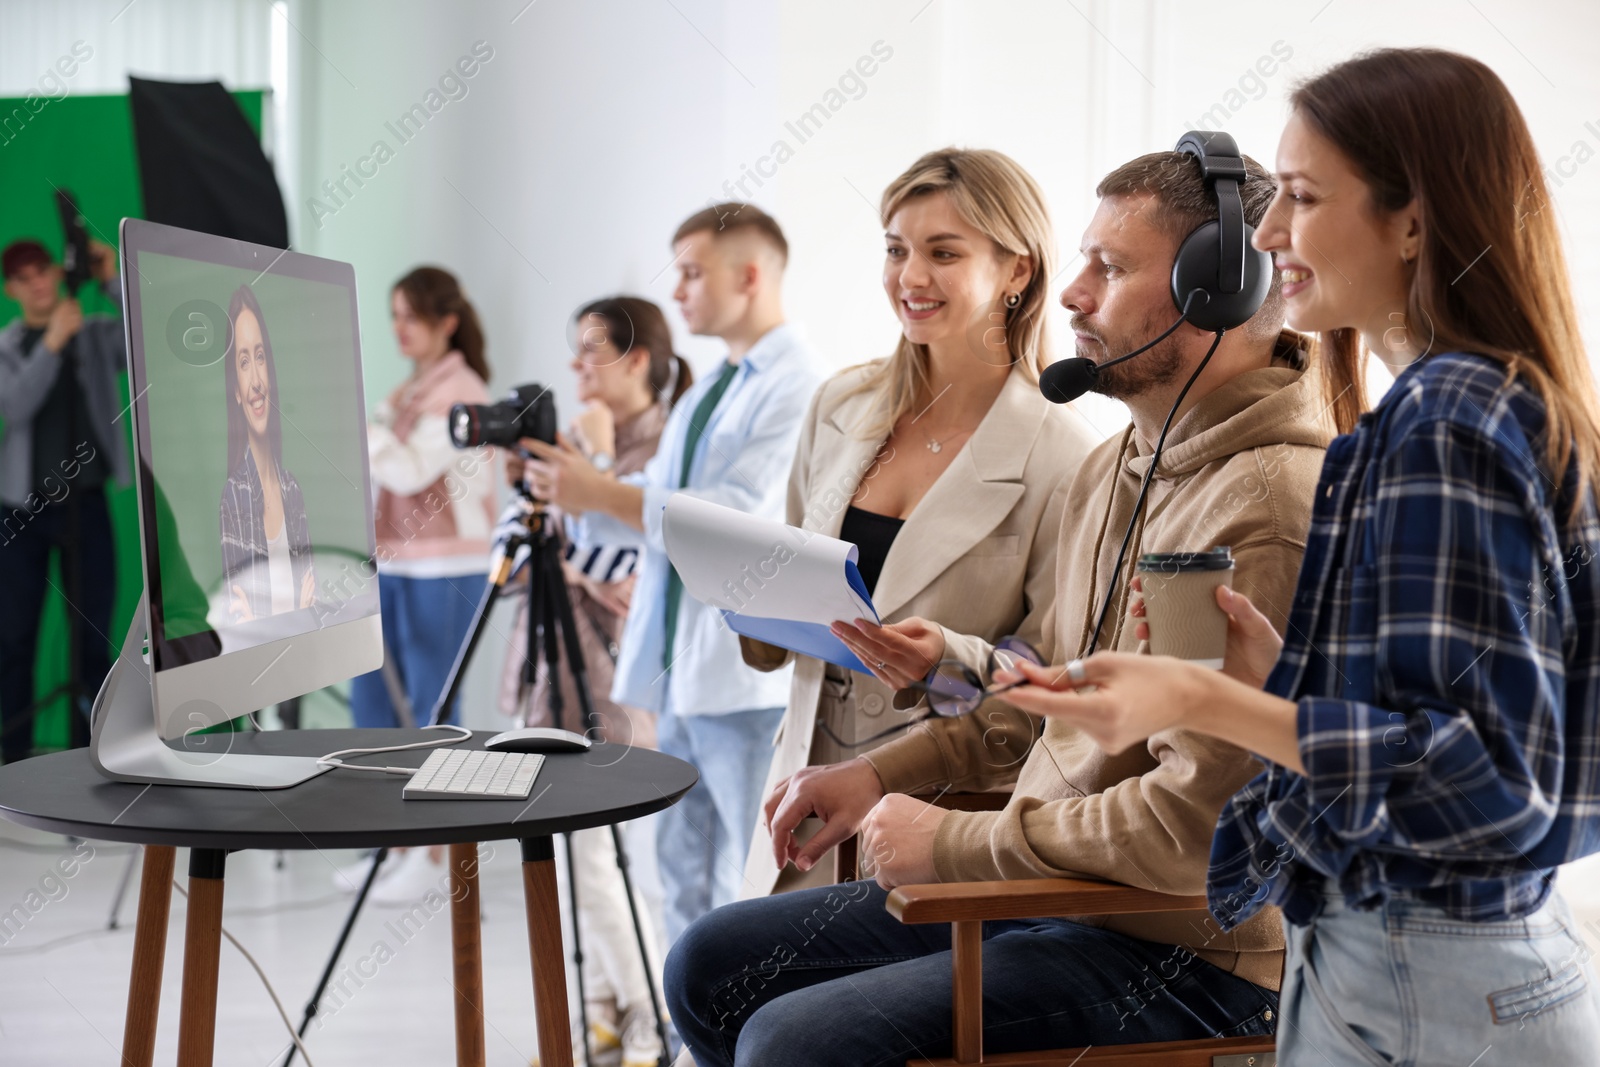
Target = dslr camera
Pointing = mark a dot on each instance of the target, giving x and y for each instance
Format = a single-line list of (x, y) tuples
[(530, 411)]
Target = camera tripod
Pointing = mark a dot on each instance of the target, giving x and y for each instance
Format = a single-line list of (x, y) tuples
[(552, 628)]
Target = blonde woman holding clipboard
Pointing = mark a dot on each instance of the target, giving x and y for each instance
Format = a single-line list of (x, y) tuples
[(942, 462)]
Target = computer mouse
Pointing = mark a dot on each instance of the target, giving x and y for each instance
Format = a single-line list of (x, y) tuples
[(537, 739)]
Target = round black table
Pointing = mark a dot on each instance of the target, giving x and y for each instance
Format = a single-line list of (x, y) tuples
[(63, 793)]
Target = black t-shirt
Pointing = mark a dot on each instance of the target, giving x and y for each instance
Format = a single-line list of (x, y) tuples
[(61, 426), (872, 534)]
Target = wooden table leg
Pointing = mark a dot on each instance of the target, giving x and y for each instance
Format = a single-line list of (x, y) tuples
[(544, 946), (202, 949), (149, 955), (466, 944)]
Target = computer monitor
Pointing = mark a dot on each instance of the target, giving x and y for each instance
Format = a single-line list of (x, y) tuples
[(255, 503)]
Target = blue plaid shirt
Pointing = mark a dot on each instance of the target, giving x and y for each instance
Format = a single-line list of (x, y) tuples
[(1444, 653)]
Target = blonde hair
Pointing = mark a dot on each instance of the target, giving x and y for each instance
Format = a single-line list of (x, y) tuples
[(994, 195)]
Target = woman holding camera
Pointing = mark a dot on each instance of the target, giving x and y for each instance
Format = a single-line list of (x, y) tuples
[(628, 379), (266, 539), (940, 462), (1428, 725)]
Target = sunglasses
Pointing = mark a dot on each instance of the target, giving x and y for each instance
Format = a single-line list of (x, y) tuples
[(954, 689)]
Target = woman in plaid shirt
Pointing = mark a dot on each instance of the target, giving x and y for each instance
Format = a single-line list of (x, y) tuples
[(265, 572), (1429, 726)]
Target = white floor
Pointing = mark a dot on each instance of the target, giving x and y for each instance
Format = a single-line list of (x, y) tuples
[(64, 975)]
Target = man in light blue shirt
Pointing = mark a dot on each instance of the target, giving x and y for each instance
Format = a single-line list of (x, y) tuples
[(730, 439)]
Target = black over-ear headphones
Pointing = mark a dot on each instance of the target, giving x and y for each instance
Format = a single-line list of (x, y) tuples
[(1218, 279), (1217, 258), (1218, 282)]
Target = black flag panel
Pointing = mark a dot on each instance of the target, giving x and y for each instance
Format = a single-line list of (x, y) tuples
[(201, 164)]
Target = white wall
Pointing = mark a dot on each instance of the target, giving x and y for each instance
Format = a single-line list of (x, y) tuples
[(596, 127)]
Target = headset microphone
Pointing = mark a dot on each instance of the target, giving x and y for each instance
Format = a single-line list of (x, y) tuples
[(1066, 380), (1218, 282)]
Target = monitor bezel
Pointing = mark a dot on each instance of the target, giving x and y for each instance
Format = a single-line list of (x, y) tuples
[(180, 659)]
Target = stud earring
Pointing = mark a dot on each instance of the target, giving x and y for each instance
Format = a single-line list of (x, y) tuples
[(1013, 299)]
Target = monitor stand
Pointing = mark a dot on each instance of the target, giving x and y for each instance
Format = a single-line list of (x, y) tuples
[(125, 744)]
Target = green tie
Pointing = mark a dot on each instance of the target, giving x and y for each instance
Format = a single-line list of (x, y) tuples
[(697, 429)]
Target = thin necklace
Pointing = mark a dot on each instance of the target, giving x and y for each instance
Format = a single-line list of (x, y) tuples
[(938, 446)]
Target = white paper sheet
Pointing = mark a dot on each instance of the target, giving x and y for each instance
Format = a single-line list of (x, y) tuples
[(761, 568)]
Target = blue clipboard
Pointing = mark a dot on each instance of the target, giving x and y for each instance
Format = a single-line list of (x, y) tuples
[(807, 638)]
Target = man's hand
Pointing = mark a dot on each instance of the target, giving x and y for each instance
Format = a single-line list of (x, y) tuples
[(897, 841), (102, 260), (839, 794), (64, 323), (561, 475), (1253, 645), (907, 649)]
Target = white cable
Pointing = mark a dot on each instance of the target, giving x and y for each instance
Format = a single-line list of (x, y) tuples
[(273, 993), (332, 758)]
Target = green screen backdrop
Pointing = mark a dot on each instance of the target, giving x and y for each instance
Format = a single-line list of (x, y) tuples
[(83, 144), (309, 325)]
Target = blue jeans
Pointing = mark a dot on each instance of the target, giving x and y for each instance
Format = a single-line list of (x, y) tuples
[(827, 976), (1407, 984), (701, 840), (424, 622)]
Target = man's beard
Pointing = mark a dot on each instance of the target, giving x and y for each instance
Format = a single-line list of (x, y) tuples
[(1159, 366)]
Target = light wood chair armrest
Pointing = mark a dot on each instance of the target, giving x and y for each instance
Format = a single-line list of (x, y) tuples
[(1028, 898)]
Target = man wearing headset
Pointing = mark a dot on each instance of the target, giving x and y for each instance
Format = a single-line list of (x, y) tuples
[(1239, 468)]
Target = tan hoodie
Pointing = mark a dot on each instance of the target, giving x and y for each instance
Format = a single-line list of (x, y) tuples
[(1239, 469)]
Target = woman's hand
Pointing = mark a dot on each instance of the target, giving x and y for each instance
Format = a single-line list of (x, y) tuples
[(1253, 645), (240, 606), (516, 464), (308, 588), (1119, 699), (616, 597), (897, 654), (596, 429)]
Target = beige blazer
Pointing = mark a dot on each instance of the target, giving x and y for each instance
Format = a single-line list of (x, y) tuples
[(976, 554)]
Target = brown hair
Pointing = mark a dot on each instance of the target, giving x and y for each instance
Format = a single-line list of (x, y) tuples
[(633, 322), (244, 299), (433, 293), (1491, 278), (992, 192), (1182, 203), (731, 217)]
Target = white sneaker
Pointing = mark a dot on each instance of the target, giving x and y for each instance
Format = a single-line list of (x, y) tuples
[(350, 877), (603, 1039), (414, 877), (641, 1047)]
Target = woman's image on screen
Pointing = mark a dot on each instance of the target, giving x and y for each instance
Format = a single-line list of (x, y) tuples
[(266, 543)]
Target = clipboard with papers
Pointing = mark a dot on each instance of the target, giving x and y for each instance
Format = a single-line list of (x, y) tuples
[(772, 582)]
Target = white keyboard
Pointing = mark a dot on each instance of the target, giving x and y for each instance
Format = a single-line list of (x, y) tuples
[(453, 774)]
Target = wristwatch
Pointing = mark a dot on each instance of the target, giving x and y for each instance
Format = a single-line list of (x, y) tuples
[(603, 462)]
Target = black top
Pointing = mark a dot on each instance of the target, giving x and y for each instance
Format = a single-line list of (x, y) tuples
[(61, 426), (340, 809), (872, 534)]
